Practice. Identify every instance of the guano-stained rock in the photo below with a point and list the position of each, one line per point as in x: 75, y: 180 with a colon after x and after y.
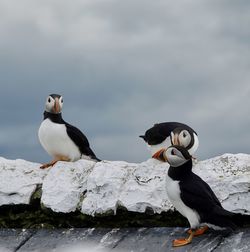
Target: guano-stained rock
x: 19, y: 180
x: 100, y: 188
x: 65, y: 183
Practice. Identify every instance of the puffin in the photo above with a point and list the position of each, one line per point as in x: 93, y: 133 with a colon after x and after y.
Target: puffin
x: 163, y: 135
x: 63, y: 141
x: 194, y: 198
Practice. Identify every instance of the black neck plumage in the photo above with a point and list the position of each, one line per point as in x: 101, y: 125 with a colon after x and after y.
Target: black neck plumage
x: 180, y: 172
x: 56, y: 118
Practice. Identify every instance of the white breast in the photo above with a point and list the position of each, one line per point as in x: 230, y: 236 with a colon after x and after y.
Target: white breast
x: 164, y: 145
x: 173, y: 191
x: 55, y: 140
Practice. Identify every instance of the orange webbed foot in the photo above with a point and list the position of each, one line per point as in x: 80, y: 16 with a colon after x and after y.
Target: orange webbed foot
x: 199, y: 231
x: 183, y: 241
x: 180, y: 242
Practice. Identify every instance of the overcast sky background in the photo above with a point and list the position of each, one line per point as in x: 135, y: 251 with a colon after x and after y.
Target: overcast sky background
x: 123, y: 66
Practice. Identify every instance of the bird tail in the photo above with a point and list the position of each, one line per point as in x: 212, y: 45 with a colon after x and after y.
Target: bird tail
x: 241, y: 220
x: 143, y: 137
x: 225, y: 218
x: 92, y: 155
x: 97, y: 159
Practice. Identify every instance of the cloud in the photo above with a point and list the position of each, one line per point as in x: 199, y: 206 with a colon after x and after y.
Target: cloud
x: 122, y: 66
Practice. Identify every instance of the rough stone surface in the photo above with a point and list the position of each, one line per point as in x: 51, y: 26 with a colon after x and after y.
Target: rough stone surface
x: 100, y: 188
x: 13, y: 239
x: 138, y: 187
x: 135, y: 187
x: 19, y: 180
x: 119, y: 240
x: 64, y: 185
x: 229, y: 177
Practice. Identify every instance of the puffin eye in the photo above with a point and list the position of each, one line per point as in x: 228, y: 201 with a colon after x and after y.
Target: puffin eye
x: 172, y: 152
x: 184, y: 134
x: 62, y: 100
x: 49, y: 100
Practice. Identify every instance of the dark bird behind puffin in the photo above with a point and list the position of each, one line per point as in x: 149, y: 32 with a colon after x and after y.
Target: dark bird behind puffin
x: 194, y: 198
x: 63, y: 141
x: 163, y: 135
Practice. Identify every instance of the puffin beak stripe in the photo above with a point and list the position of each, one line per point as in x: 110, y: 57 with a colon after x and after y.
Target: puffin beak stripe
x: 176, y: 140
x: 165, y: 156
x: 56, y: 106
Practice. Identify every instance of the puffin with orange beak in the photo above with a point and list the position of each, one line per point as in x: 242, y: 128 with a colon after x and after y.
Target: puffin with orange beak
x: 61, y: 140
x: 163, y: 135
x: 194, y: 199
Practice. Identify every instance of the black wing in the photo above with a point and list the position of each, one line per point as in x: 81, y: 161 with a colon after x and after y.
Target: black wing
x: 80, y: 140
x: 197, y: 194
x: 160, y: 131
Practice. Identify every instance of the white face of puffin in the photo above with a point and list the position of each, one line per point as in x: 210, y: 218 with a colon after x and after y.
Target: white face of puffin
x: 54, y: 104
x: 183, y: 138
x: 175, y: 157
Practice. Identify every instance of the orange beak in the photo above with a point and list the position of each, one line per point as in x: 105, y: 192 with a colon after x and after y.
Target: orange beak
x: 176, y: 140
x: 160, y: 155
x: 57, y: 106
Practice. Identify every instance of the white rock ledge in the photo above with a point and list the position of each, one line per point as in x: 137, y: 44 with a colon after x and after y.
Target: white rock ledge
x: 99, y: 188
x: 19, y: 180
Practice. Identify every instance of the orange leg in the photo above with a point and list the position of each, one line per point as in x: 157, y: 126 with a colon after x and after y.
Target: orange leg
x: 199, y: 231
x: 184, y: 241
x: 54, y: 161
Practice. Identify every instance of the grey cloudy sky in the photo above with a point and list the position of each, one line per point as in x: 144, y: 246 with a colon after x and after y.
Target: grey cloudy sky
x: 123, y: 66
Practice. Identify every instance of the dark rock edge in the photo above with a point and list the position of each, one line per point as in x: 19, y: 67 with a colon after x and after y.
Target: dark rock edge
x: 35, y: 215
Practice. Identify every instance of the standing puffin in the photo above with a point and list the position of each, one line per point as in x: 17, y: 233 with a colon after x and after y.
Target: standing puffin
x: 193, y: 197
x: 163, y: 135
x: 61, y: 140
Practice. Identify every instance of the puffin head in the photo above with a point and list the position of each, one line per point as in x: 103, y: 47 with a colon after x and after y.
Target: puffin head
x: 176, y: 155
x: 182, y: 137
x: 54, y: 104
